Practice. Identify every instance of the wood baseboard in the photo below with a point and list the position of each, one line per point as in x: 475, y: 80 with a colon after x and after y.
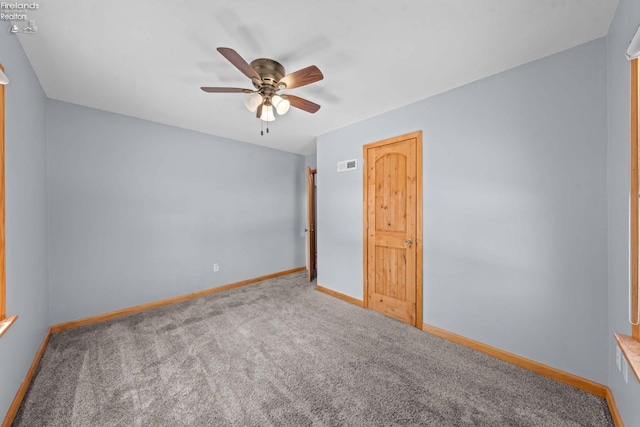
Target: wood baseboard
x: 144, y: 307
x: 556, y: 374
x: 537, y: 367
x: 338, y: 295
x: 17, y: 400
x: 613, y: 408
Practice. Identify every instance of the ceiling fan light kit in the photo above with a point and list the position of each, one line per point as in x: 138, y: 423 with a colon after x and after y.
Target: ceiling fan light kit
x: 268, y: 78
x: 252, y: 100
x: 267, y: 113
x: 280, y: 103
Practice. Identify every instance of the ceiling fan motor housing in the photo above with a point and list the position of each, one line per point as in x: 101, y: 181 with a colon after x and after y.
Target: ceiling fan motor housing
x: 270, y: 71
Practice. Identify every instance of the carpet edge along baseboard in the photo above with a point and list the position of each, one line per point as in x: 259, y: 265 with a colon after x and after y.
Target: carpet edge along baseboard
x: 17, y: 400
x: 539, y: 368
x: 587, y: 385
x: 531, y: 365
x: 161, y: 303
x: 341, y: 296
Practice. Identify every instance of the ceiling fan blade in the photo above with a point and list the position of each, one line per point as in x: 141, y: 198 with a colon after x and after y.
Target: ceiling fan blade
x: 303, y: 104
x: 303, y: 77
x: 224, y: 89
x: 238, y: 62
x: 259, y: 111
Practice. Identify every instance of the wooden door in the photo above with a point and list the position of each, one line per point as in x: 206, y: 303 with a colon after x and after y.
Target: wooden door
x: 311, y: 223
x: 393, y: 227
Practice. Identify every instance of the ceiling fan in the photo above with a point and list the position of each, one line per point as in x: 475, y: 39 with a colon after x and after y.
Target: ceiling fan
x: 268, y: 78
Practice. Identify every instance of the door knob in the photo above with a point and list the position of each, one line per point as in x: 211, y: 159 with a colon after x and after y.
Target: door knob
x: 409, y: 242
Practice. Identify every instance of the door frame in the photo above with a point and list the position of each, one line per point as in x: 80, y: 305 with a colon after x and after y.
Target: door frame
x: 311, y: 222
x: 418, y: 240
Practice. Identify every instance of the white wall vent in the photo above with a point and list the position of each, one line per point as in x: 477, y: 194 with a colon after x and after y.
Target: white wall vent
x: 347, y: 165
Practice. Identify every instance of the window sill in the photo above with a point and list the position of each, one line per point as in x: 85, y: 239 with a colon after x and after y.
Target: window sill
x: 6, y: 324
x: 631, y: 349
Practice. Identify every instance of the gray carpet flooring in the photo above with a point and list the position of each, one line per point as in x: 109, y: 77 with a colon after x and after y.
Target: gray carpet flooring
x: 279, y: 353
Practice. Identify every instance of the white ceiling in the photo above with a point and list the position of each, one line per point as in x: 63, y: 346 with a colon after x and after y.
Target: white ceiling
x: 148, y: 58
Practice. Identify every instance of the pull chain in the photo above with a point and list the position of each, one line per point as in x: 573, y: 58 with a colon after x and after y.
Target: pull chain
x: 262, y: 127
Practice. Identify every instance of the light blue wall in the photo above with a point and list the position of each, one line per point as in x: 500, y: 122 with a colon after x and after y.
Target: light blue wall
x: 311, y: 160
x: 623, y: 27
x: 514, y: 206
x: 26, y: 218
x: 516, y: 179
x: 141, y: 211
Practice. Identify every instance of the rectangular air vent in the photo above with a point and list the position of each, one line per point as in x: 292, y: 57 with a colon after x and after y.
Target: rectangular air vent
x: 347, y: 165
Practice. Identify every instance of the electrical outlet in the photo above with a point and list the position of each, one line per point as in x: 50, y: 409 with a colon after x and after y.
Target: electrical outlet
x: 618, y: 356
x: 216, y: 267
x: 625, y: 372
